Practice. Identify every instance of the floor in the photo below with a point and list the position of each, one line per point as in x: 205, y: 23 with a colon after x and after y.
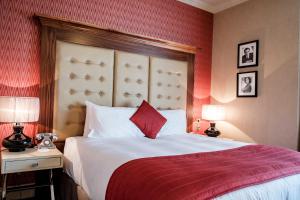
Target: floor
x: 40, y: 178
x: 32, y: 194
x: 26, y: 194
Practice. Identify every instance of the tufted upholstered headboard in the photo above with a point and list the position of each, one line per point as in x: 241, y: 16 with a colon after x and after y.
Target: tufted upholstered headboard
x: 81, y: 62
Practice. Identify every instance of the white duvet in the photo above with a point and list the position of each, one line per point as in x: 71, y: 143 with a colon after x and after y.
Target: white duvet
x: 91, y: 162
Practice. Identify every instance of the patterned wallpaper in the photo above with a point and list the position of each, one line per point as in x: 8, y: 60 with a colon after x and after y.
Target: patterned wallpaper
x: 165, y: 19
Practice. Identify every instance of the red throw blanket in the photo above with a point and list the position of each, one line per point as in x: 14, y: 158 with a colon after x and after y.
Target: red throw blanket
x: 201, y: 175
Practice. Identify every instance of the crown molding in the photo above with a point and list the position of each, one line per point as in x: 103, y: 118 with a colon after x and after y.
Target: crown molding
x: 213, y: 8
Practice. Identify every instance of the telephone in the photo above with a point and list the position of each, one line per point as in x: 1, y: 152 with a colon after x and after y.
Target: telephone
x: 47, y: 140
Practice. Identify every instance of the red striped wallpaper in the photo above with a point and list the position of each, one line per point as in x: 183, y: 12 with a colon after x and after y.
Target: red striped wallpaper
x: 165, y: 19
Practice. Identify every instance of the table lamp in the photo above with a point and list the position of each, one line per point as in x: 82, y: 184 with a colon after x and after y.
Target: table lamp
x: 17, y: 110
x: 213, y: 113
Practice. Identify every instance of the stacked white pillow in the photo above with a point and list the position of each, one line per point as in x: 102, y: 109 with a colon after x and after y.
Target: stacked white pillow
x: 114, y: 122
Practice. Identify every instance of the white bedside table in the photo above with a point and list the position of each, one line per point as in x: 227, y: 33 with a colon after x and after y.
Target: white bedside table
x: 30, y: 160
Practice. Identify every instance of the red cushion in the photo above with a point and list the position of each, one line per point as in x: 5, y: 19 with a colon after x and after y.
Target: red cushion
x: 148, y: 120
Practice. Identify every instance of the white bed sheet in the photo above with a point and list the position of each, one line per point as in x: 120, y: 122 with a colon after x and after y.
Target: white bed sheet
x: 91, y: 162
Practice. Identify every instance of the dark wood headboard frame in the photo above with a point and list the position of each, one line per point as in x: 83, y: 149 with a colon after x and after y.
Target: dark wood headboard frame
x: 53, y: 29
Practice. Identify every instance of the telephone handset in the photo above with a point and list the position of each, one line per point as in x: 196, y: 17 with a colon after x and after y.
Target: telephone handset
x: 47, y: 140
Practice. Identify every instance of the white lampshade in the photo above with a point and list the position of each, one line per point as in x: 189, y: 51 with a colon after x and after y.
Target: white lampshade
x: 213, y: 112
x: 19, y: 109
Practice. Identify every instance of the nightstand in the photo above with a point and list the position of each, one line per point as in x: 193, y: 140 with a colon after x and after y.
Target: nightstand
x: 30, y: 160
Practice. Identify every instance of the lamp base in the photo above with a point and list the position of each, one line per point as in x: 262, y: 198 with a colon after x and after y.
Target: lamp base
x: 212, y: 131
x: 17, y: 141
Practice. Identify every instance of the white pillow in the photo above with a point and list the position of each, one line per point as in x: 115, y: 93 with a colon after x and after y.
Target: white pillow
x: 176, y: 122
x: 104, y: 122
x: 87, y: 119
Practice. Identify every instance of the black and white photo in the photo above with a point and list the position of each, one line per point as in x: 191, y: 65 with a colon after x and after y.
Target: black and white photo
x: 247, y: 84
x: 248, y: 54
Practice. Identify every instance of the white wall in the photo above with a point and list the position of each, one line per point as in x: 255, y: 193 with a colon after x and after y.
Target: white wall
x: 272, y: 117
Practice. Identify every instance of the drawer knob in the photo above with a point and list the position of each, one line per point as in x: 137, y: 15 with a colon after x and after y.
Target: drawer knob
x: 35, y: 165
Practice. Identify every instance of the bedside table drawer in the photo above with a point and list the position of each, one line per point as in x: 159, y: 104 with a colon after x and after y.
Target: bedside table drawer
x: 32, y: 164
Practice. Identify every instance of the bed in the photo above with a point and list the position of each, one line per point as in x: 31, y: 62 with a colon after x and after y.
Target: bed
x: 90, y: 171
x: 82, y: 63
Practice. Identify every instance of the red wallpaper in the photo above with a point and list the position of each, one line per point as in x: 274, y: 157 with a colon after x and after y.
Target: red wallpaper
x: 165, y: 19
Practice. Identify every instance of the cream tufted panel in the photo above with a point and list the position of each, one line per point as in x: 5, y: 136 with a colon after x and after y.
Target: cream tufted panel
x: 131, y: 79
x: 168, y: 83
x: 82, y: 73
x: 112, y: 78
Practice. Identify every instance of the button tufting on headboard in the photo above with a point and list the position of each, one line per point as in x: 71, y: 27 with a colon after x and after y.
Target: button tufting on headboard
x: 73, y: 60
x: 126, y: 94
x: 127, y: 80
x: 88, y: 92
x: 174, y: 73
x: 72, y: 91
x: 72, y: 76
x: 102, y: 64
x: 101, y: 78
x: 87, y: 77
x: 139, y: 81
x: 101, y: 93
x: 80, y: 75
x: 128, y: 67
x: 88, y: 62
x: 138, y: 95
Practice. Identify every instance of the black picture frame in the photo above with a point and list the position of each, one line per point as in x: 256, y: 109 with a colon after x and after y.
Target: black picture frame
x: 244, y: 90
x: 253, y: 58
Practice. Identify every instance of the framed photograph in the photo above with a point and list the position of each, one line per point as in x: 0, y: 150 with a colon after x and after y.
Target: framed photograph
x: 247, y: 84
x: 248, y: 54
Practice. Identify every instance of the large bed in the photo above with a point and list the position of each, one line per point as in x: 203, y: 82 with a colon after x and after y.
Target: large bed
x: 82, y: 63
x: 92, y: 173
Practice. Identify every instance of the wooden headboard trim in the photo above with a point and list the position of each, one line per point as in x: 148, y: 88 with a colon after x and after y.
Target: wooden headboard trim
x: 53, y: 29
x: 64, y: 24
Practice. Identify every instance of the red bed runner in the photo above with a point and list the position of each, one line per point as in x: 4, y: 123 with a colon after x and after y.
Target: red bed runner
x: 201, y: 175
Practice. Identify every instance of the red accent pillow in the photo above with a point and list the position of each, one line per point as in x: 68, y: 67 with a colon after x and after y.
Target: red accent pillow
x: 148, y: 120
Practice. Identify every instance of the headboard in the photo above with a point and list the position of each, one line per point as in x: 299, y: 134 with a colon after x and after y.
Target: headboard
x: 81, y: 62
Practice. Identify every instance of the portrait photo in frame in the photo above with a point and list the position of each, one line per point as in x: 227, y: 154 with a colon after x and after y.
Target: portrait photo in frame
x: 248, y: 54
x: 247, y: 84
